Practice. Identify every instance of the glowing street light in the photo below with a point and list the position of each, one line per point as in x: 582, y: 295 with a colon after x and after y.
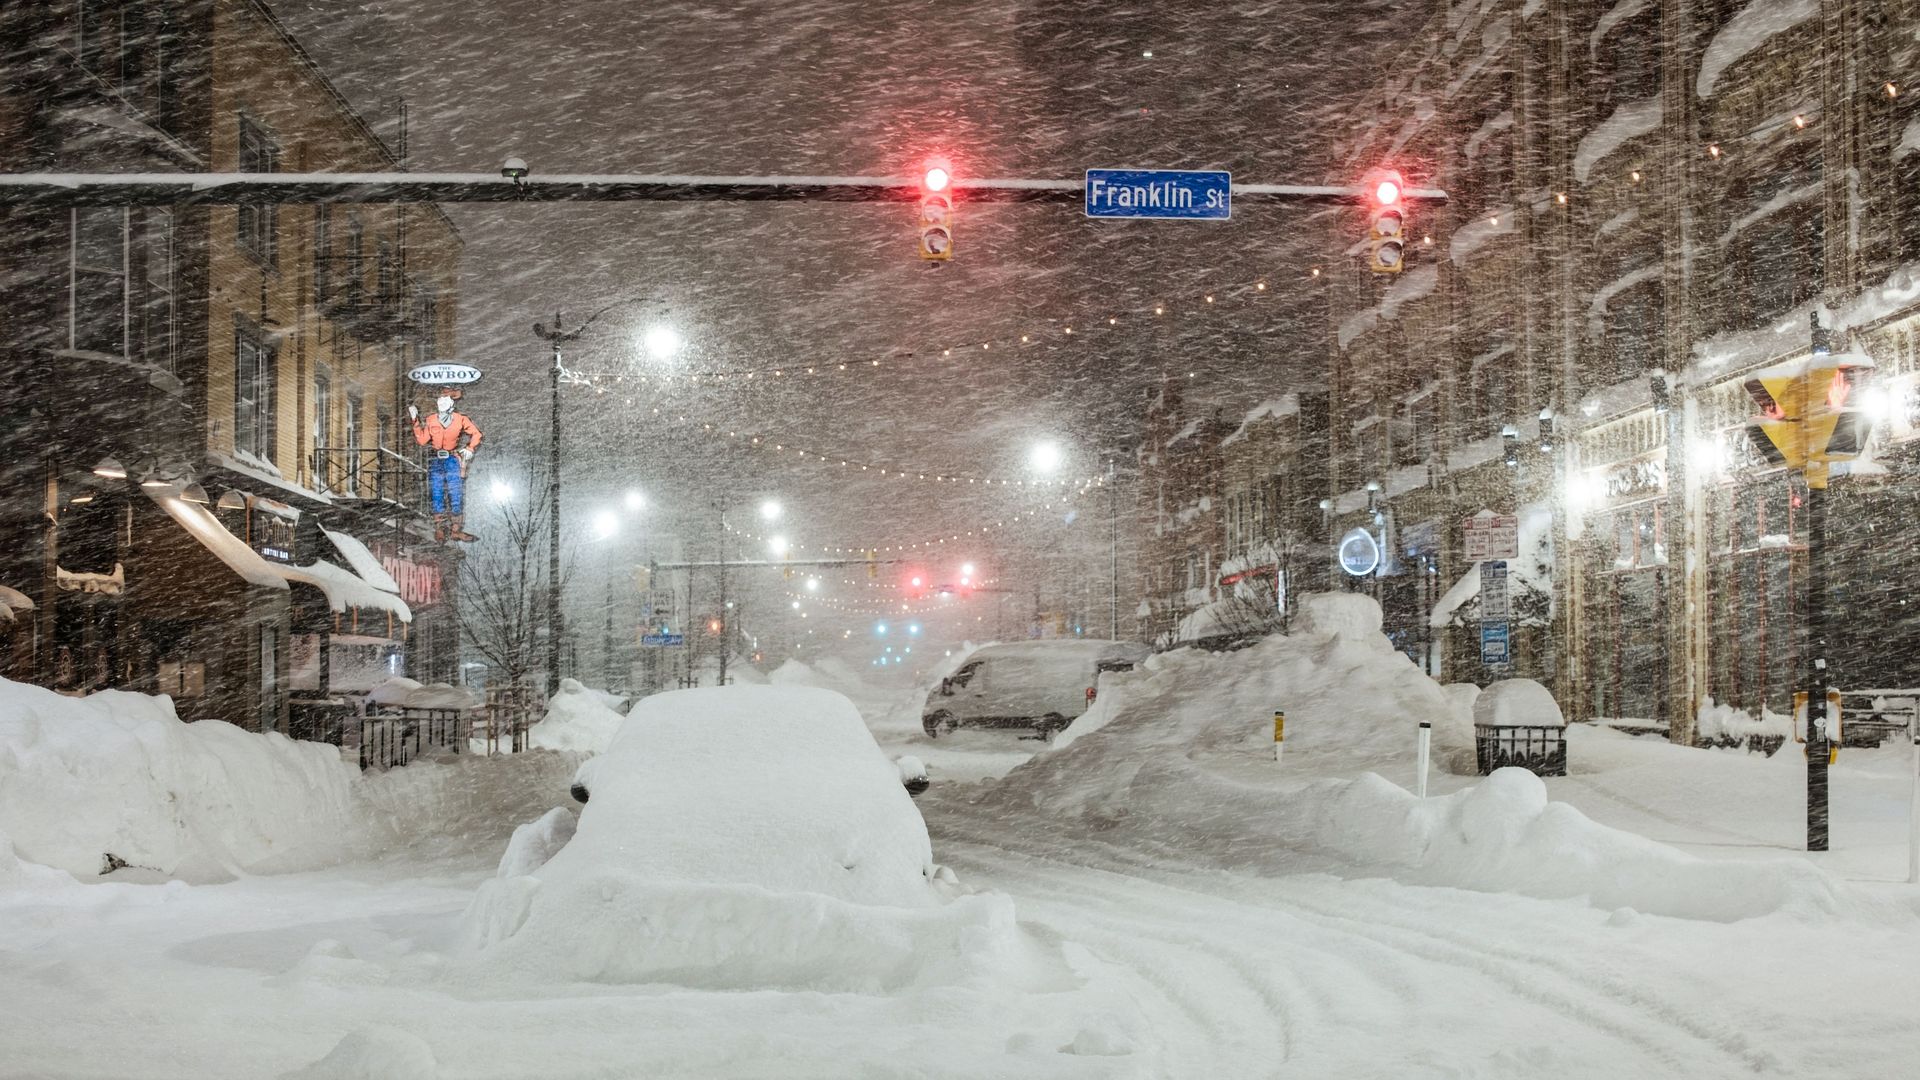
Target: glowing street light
x: 779, y: 545
x: 605, y: 525
x: 813, y: 584
x: 636, y: 502
x: 1046, y: 457
x: 661, y: 341
x: 770, y: 510
x: 501, y: 490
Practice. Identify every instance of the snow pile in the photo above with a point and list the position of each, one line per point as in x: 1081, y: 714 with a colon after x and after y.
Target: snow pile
x: 117, y: 779
x: 577, y: 719
x: 536, y: 842
x: 1503, y: 835
x: 1351, y: 701
x: 1178, y: 754
x: 1734, y: 726
x: 374, y: 1053
x: 742, y: 837
x: 405, y: 693
x: 1517, y: 703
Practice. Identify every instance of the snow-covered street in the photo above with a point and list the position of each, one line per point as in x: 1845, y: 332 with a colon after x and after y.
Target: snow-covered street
x: 1183, y: 908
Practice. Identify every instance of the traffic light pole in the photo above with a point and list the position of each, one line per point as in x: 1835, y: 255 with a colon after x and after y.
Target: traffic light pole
x: 1817, y: 675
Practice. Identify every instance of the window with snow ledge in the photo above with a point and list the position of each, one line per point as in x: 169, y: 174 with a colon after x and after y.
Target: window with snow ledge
x: 1774, y: 248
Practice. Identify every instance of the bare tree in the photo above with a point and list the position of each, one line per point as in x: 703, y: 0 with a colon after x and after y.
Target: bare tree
x: 503, y: 585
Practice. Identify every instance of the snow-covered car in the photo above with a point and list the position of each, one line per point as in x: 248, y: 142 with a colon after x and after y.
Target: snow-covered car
x: 741, y: 836
x: 1041, y: 685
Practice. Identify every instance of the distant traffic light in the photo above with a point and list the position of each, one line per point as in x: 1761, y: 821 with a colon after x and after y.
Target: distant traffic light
x: 936, y: 211
x: 1387, y: 225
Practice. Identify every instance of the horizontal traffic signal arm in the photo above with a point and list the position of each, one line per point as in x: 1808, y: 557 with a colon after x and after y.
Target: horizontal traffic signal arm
x: 171, y: 189
x: 778, y: 563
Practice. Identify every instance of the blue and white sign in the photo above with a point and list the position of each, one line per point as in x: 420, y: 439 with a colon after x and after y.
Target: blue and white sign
x: 1359, y: 553
x: 662, y: 641
x: 1159, y: 193
x: 1493, y: 644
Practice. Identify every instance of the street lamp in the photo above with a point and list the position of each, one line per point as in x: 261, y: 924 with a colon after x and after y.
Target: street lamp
x: 661, y: 341
x: 1046, y: 457
x: 770, y: 510
x: 555, y: 338
x: 636, y: 502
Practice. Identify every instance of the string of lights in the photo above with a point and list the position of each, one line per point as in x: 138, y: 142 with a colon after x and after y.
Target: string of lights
x: 777, y: 445
x: 946, y: 602
x: 980, y: 531
x: 1055, y: 331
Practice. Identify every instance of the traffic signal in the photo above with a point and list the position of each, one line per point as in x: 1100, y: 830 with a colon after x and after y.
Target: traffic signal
x: 1387, y: 224
x: 1808, y: 414
x: 936, y: 211
x: 873, y: 566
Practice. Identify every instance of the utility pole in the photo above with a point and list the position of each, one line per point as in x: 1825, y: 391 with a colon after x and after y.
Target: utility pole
x: 556, y: 337
x: 1816, y: 474
x: 1113, y: 554
x: 726, y: 621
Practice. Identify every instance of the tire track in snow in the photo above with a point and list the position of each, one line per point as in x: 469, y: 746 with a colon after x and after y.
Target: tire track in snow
x: 1622, y: 1011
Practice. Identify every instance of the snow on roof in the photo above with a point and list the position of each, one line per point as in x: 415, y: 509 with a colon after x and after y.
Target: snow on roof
x: 1413, y: 285
x: 228, y: 548
x: 1772, y: 206
x: 1497, y: 123
x: 362, y: 561
x: 1628, y: 122
x: 262, y: 471
x: 1617, y: 14
x: 14, y: 600
x: 1909, y: 139
x: 1185, y: 432
x: 1285, y: 405
x: 1450, y: 601
x: 1746, y: 31
x: 1485, y: 226
x: 1597, y: 308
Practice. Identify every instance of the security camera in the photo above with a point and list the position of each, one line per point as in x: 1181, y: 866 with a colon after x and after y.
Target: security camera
x: 513, y: 169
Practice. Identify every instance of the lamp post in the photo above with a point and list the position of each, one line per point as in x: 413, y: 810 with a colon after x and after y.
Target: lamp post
x: 555, y: 338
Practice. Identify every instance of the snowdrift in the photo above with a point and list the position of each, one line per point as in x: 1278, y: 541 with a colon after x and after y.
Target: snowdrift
x: 739, y: 837
x: 1178, y: 755
x: 577, y: 718
x: 91, y: 784
x: 118, y: 775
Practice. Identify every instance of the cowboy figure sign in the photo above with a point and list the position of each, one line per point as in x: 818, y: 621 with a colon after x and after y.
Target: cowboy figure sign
x: 447, y: 464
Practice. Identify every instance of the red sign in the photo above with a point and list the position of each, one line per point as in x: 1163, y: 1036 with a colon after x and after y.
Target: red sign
x: 419, y: 582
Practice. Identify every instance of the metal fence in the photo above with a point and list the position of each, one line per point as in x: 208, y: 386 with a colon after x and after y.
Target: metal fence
x: 1541, y: 750
x: 370, y: 472
x: 509, y: 713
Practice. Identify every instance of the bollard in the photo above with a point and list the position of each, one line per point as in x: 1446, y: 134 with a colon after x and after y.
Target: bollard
x: 1913, y: 814
x: 1426, y: 748
x: 1279, y: 733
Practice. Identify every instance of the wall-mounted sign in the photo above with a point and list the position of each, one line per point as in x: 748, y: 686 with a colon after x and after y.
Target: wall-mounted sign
x: 444, y: 374
x: 1492, y: 536
x: 1636, y: 479
x: 1359, y: 553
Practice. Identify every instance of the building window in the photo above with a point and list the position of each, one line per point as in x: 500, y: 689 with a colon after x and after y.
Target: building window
x: 428, y: 317
x: 257, y: 223
x: 383, y: 269
x: 322, y: 254
x: 98, y: 286
x: 255, y: 378
x: 351, y: 440
x: 158, y: 308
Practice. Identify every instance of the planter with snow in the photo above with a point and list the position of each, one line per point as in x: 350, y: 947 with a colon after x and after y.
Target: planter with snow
x: 1516, y: 723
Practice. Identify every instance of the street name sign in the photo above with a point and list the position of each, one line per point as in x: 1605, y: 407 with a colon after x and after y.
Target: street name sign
x: 1492, y: 536
x: 663, y: 641
x: 1159, y: 193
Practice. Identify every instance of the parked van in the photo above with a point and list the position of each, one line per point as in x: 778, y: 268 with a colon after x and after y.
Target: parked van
x: 1041, y: 685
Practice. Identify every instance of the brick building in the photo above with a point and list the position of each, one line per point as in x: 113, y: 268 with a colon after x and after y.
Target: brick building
x: 205, y: 488
x: 1648, y: 200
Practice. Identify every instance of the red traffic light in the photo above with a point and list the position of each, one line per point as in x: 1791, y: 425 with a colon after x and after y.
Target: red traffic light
x: 936, y: 179
x: 1387, y: 192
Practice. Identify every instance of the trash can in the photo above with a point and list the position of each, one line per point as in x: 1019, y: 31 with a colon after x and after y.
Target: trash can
x: 1517, y: 724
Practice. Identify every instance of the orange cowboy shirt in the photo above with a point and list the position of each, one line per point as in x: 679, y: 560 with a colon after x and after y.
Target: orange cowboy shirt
x: 446, y: 436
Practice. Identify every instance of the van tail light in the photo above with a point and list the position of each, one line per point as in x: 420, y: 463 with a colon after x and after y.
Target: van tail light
x: 1090, y: 693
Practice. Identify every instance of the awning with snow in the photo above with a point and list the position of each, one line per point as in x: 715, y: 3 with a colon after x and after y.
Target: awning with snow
x: 12, y: 600
x: 342, y: 588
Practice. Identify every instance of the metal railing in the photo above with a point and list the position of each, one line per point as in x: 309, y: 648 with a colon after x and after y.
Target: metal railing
x: 373, y: 473
x: 509, y: 714
x: 1539, y: 749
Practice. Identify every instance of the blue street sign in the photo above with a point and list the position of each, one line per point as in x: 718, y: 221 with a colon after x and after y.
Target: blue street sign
x: 662, y: 641
x: 1493, y: 644
x: 1159, y: 193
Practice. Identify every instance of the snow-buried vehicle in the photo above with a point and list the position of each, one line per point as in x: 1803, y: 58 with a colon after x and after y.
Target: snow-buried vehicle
x: 739, y: 837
